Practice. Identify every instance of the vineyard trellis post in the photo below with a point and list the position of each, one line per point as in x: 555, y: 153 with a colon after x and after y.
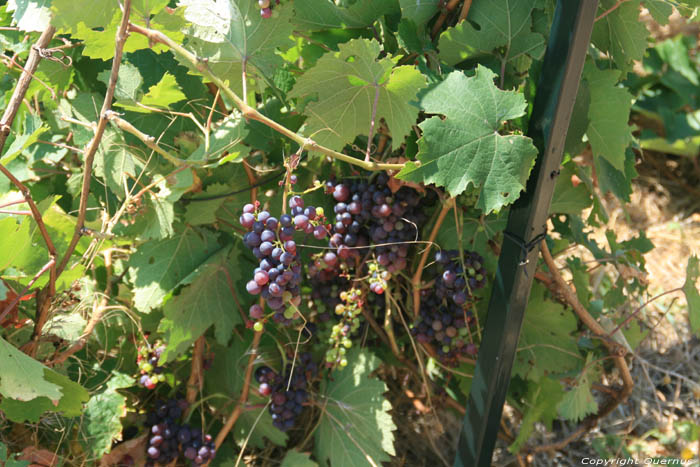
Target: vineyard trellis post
x: 554, y: 101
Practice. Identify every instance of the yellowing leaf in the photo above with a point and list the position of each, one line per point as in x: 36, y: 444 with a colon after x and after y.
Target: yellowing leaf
x: 166, y: 92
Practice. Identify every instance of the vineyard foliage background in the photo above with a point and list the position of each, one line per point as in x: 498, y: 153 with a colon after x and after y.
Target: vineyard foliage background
x: 148, y: 125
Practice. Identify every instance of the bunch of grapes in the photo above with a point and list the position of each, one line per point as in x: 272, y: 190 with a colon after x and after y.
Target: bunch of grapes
x: 369, y: 213
x: 168, y: 438
x: 265, y: 8
x: 378, y: 277
x: 147, y: 361
x: 348, y: 311
x: 444, y: 326
x: 457, y: 283
x: 278, y: 276
x: 326, y: 287
x: 287, y: 395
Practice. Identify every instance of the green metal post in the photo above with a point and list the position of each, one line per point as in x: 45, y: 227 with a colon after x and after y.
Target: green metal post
x: 554, y: 101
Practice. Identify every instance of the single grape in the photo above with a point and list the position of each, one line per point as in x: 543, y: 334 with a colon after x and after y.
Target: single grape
x: 256, y: 312
x: 266, y: 13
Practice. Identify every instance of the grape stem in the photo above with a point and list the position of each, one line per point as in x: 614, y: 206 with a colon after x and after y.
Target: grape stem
x: 250, y: 113
x: 617, y: 353
x: 417, y: 276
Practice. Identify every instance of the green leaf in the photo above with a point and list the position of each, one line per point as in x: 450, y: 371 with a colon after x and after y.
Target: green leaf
x: 116, y: 162
x: 615, y: 181
x: 68, y: 14
x: 355, y: 427
x: 227, y: 32
x: 294, y: 458
x: 692, y: 296
x: 541, y: 401
x: 620, y: 33
x: 569, y: 199
x: 67, y: 326
x: 101, y: 424
x: 32, y: 128
x: 675, y: 52
x: 419, y: 11
x: 608, y: 131
x: 659, y: 9
x: 157, y: 222
x: 163, y: 94
x: 503, y: 25
x: 30, y: 15
x: 546, y: 345
x: 225, y: 138
x: 208, y: 300
x: 129, y: 82
x: 324, y: 14
x: 466, y: 147
x: 157, y: 267
x: 3, y: 290
x: 356, y: 78
x: 204, y: 212
x: 99, y: 43
x: 579, y: 401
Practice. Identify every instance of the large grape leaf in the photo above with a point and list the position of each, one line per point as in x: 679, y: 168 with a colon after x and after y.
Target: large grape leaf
x: 542, y: 399
x: 620, y: 33
x: 30, y: 15
x: 325, y: 14
x: 608, y: 131
x: 228, y: 32
x: 546, y: 344
x: 227, y: 375
x: 294, y: 458
x: 356, y: 78
x: 29, y: 388
x: 102, y: 416
x: 208, y: 300
x: 355, y: 427
x: 579, y: 401
x: 692, y: 296
x: 569, y: 198
x: 225, y: 138
x: 419, y: 11
x: 505, y: 25
x: 466, y: 147
x: 68, y: 14
x: 157, y: 267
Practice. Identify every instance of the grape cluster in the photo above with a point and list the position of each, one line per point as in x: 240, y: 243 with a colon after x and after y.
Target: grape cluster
x: 444, y: 326
x: 287, y: 396
x: 456, y: 282
x: 147, y: 361
x: 168, y: 439
x: 326, y: 287
x: 348, y: 310
x: 278, y: 276
x: 369, y: 213
x: 265, y: 8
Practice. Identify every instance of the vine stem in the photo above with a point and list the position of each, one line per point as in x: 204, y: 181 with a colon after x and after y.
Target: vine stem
x: 221, y: 436
x: 194, y: 383
x: 626, y: 321
x: 451, y: 5
x: 465, y: 10
x: 417, y: 276
x: 97, y: 313
x: 617, y: 353
x: 610, y: 10
x: 250, y: 113
x: 91, y: 150
x: 8, y: 118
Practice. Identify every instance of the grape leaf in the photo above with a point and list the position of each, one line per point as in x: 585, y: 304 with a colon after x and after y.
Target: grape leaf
x: 99, y: 43
x: 225, y: 137
x: 206, y: 301
x: 569, y: 199
x: 227, y: 375
x: 163, y: 94
x: 228, y: 32
x: 692, y: 295
x: 506, y: 25
x: 355, y: 425
x: 355, y: 77
x: 620, y: 33
x: 419, y: 11
x: 22, y: 377
x: 294, y: 458
x: 579, y: 401
x: 157, y: 221
x: 157, y: 267
x: 608, y: 131
x: 68, y: 14
x: 30, y: 15
x: 545, y: 345
x: 102, y: 416
x: 32, y: 128
x: 204, y: 212
x: 129, y: 81
x: 466, y: 147
x: 542, y: 399
x: 325, y: 14
x: 615, y: 181
x: 659, y: 9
